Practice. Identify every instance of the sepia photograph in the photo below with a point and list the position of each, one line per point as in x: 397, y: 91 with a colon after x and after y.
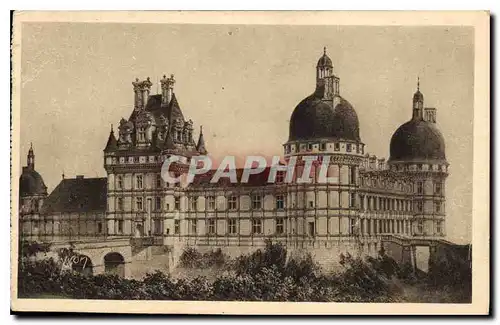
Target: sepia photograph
x: 175, y: 162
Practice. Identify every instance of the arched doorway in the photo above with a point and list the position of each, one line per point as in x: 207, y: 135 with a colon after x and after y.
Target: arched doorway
x: 114, y: 263
x: 82, y: 264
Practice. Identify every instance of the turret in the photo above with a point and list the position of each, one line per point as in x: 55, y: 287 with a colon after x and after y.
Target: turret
x: 31, y: 158
x: 418, y: 103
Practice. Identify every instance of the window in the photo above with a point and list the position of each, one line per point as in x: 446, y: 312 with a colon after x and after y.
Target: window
x: 177, y: 203
x: 232, y: 202
x: 439, y: 227
x: 337, y: 146
x: 280, y: 228
x: 99, y: 227
x: 322, y: 146
x: 157, y: 203
x: 438, y: 188
x: 311, y: 204
x: 362, y: 202
x: 352, y: 175
x: 419, y: 167
x: 256, y: 202
x: 420, y: 206
x: 120, y: 226
x: 157, y: 226
x: 138, y: 181
x: 231, y: 226
x: 420, y: 187
x: 352, y: 200
x: 352, y: 226
x: 211, y: 226
x: 211, y: 202
x: 280, y: 177
x: 193, y: 203
x: 311, y: 228
x: 119, y: 183
x: 309, y: 146
x: 177, y: 227
x: 158, y: 181
x: 348, y: 147
x: 138, y: 203
x: 280, y: 202
x: 194, y: 227
x: 437, y: 206
x: 420, y: 226
x: 142, y: 134
x: 120, y: 204
x: 256, y: 226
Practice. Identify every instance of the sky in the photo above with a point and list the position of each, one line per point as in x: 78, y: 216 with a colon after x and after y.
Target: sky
x: 242, y: 82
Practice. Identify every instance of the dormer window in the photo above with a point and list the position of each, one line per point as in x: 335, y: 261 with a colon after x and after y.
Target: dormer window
x: 322, y: 146
x: 348, y: 147
x: 337, y: 146
x: 142, y: 134
x: 309, y: 146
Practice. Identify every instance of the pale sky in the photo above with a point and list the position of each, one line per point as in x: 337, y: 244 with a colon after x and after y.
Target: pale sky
x: 242, y: 83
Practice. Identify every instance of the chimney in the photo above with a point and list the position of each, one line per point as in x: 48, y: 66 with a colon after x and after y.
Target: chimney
x: 167, y: 88
x: 146, y: 89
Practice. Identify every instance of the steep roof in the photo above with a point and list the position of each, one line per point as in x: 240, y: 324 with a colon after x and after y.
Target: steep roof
x: 112, y: 143
x: 254, y: 180
x: 77, y: 195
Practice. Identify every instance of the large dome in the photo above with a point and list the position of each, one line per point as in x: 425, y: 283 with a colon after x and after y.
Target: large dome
x: 314, y: 118
x: 31, y: 183
x: 417, y: 140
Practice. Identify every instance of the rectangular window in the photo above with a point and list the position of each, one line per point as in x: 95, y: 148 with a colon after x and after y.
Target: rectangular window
x: 231, y: 226
x: 348, y: 147
x: 439, y: 227
x: 194, y: 227
x: 256, y: 226
x: 352, y: 200
x: 211, y: 226
x: 437, y: 206
x: 312, y: 228
x: 352, y: 226
x: 322, y: 146
x: 280, y: 202
x: 420, y: 188
x: 309, y: 147
x: 119, y: 183
x: 352, y: 175
x: 157, y: 203
x: 193, y: 203
x: 232, y: 202
x: 138, y: 181
x: 157, y: 226
x: 177, y: 227
x: 420, y: 206
x: 120, y: 204
x: 280, y: 226
x: 362, y: 202
x: 120, y: 226
x: 336, y: 146
x: 138, y: 203
x: 211, y: 202
x: 136, y: 159
x: 420, y: 226
x: 99, y: 227
x: 158, y: 181
x: 437, y: 188
x: 280, y: 177
x: 142, y: 134
x: 177, y: 203
x: 256, y: 202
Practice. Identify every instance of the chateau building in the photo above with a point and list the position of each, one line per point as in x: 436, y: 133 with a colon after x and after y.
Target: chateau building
x: 363, y: 198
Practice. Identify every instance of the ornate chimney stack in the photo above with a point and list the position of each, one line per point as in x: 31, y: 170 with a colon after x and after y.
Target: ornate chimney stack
x: 146, y: 90
x: 138, y: 104
x: 167, y: 89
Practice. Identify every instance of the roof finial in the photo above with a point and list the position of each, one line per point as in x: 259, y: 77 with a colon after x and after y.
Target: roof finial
x: 418, y: 83
x: 201, y: 129
x: 324, y: 50
x: 111, y: 128
x: 63, y: 174
x: 31, y: 145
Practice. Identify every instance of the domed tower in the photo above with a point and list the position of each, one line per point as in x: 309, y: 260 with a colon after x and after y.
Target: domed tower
x: 324, y: 125
x: 32, y: 193
x: 417, y: 152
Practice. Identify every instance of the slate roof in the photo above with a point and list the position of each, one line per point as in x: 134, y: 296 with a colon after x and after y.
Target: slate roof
x: 77, y: 195
x: 254, y: 180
